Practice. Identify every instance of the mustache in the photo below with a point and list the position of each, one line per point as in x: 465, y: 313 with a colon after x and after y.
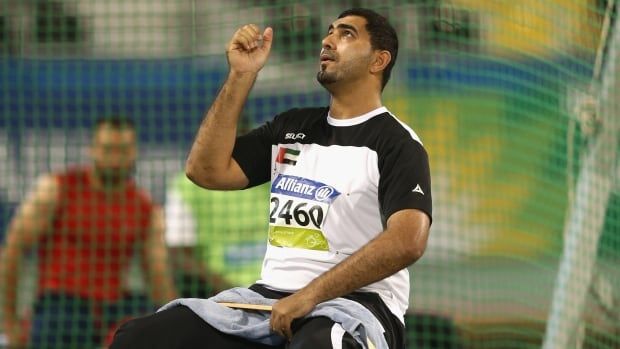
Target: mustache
x: 329, y: 54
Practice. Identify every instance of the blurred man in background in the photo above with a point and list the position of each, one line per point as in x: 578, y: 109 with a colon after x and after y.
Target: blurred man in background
x: 85, y: 224
x: 216, y: 238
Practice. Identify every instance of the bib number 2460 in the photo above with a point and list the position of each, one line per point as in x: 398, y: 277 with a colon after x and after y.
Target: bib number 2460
x: 300, y: 213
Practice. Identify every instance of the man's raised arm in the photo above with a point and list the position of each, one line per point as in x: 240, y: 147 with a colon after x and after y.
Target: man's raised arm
x: 210, y: 163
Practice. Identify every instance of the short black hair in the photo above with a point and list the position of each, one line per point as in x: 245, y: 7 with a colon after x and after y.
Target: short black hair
x: 117, y: 122
x: 382, y: 36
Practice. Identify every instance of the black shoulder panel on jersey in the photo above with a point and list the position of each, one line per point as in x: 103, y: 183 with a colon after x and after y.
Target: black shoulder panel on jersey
x: 405, y: 180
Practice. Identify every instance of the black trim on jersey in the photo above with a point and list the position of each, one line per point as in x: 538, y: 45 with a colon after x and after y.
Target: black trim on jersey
x: 402, y: 161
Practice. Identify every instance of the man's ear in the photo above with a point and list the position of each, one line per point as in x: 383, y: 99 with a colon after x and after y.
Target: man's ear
x: 381, y: 60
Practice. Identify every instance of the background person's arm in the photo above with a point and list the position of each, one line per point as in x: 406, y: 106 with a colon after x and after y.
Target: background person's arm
x: 32, y: 219
x: 155, y: 252
x: 188, y: 263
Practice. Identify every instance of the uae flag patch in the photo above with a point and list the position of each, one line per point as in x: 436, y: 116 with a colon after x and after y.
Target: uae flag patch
x: 287, y: 156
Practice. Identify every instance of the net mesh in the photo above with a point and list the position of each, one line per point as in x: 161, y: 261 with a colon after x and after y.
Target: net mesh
x: 505, y: 96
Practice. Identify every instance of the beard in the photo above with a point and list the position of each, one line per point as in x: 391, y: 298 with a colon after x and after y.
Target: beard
x: 326, y: 78
x: 345, y: 70
x: 111, y: 177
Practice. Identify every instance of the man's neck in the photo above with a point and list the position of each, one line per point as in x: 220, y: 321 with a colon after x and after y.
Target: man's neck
x: 97, y: 184
x: 353, y: 102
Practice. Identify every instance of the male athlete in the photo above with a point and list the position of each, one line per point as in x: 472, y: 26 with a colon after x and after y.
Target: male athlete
x: 350, y: 193
x: 85, y: 224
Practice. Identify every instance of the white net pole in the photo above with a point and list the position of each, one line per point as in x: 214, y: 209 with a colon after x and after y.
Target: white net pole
x: 587, y: 212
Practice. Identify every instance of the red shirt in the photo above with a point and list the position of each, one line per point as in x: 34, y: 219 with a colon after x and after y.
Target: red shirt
x: 93, y: 237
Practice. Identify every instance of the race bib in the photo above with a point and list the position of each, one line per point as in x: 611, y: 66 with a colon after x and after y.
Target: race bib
x: 298, y: 210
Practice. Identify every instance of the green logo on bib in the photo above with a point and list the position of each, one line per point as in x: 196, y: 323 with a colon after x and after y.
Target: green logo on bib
x: 309, y: 239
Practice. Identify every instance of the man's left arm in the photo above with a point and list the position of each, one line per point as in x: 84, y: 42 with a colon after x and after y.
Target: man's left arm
x: 401, y: 244
x: 155, y: 258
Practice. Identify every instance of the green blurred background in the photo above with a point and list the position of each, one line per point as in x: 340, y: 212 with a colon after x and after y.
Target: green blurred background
x: 489, y: 85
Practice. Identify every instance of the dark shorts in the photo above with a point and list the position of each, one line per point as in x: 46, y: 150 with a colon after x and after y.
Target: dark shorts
x: 179, y: 327
x: 61, y: 321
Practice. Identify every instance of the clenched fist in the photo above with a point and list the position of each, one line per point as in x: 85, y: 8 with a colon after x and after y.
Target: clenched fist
x: 248, y: 49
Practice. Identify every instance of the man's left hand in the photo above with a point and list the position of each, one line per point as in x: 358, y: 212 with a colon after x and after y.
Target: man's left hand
x: 288, y: 309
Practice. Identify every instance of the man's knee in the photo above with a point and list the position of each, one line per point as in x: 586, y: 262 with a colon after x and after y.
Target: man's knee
x: 173, y: 328
x: 126, y: 334
x: 153, y: 330
x: 322, y: 333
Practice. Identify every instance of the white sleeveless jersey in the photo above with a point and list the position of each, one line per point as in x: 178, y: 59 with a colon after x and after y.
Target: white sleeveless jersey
x: 334, y: 184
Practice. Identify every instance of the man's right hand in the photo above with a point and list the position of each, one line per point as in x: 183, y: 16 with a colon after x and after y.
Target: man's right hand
x: 245, y: 52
